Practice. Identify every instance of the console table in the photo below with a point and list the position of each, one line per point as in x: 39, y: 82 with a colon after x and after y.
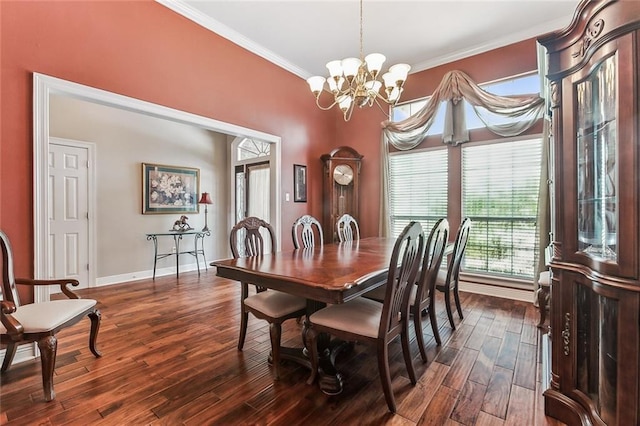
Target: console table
x: 177, y: 237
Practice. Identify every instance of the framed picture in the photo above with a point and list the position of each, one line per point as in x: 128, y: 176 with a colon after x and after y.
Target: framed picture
x: 299, y: 183
x: 169, y: 189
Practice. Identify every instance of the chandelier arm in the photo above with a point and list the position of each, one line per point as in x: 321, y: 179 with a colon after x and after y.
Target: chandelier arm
x: 325, y: 108
x: 385, y: 100
x: 387, y: 112
x: 347, y: 114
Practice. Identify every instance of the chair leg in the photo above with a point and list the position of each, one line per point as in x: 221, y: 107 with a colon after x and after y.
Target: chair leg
x: 9, y: 353
x: 417, y: 325
x: 434, y: 324
x: 275, y: 332
x: 406, y: 352
x: 244, y: 319
x: 447, y: 303
x: 456, y: 297
x: 95, y: 318
x: 48, y: 348
x: 385, y: 376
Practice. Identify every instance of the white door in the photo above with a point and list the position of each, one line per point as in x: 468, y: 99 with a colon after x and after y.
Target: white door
x: 68, y: 211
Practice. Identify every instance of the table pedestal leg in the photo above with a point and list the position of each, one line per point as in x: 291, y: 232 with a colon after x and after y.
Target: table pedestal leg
x: 329, y: 379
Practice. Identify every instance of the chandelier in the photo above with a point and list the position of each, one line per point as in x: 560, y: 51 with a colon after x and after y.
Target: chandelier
x: 354, y: 81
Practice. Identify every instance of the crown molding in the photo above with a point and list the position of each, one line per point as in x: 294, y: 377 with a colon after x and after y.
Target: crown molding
x: 206, y: 21
x: 495, y: 44
x: 182, y: 8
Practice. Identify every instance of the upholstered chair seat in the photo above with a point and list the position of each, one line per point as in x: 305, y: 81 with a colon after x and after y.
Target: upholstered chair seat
x: 47, y: 316
x: 275, y: 303
x: 360, y: 316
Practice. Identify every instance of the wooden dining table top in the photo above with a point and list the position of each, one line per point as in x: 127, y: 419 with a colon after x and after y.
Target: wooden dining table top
x: 332, y: 273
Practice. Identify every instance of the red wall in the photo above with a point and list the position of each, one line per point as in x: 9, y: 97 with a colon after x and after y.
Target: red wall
x: 143, y: 50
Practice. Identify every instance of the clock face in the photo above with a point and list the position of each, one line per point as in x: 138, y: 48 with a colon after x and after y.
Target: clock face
x: 343, y: 174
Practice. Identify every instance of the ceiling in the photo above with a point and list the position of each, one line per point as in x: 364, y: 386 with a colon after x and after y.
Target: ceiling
x: 302, y: 36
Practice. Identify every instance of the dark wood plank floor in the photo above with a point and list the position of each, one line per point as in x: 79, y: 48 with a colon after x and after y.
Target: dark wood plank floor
x: 170, y: 358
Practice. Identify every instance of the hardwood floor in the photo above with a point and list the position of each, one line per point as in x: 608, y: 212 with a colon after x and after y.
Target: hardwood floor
x: 170, y: 358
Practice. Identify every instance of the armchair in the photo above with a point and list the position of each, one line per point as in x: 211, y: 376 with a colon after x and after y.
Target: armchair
x: 39, y: 322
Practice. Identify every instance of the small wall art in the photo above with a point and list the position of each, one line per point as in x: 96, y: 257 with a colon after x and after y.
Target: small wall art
x: 299, y: 183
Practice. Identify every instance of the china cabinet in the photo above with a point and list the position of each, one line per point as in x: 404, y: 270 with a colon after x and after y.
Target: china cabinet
x: 341, y: 184
x: 594, y: 338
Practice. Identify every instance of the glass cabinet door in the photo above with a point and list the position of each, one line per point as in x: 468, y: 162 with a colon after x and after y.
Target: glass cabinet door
x: 597, y: 350
x: 597, y: 149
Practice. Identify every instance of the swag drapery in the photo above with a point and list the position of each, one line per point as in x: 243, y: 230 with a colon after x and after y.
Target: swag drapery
x: 524, y: 110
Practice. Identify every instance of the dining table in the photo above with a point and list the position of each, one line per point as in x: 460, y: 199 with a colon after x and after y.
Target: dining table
x: 327, y: 274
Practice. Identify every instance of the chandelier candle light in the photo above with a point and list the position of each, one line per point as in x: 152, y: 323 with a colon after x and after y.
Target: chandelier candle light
x: 206, y: 200
x: 354, y: 81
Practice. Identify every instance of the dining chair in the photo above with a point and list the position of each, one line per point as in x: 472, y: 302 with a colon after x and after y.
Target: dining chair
x: 374, y: 323
x: 248, y: 239
x: 447, y: 281
x: 304, y: 232
x: 422, y: 295
x: 40, y: 322
x: 347, y: 228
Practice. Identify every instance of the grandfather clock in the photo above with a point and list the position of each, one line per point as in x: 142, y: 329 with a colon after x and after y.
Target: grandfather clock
x: 341, y: 177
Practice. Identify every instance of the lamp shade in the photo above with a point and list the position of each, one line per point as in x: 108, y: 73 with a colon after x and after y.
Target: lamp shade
x: 205, y: 199
x: 316, y: 83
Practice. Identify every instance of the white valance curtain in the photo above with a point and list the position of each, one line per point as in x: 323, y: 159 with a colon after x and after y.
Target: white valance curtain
x: 455, y: 86
x: 523, y: 110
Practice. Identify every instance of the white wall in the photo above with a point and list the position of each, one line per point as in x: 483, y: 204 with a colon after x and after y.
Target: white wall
x: 124, y: 140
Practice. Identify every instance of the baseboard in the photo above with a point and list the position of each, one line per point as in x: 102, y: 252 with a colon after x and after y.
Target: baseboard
x: 148, y: 274
x: 497, y: 291
x: 24, y: 353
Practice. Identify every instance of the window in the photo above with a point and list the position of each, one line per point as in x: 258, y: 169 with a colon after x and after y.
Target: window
x: 418, y: 182
x: 500, y: 184
x: 251, y: 148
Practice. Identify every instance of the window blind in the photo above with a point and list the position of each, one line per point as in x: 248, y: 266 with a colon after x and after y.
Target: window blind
x: 417, y: 188
x: 500, y: 185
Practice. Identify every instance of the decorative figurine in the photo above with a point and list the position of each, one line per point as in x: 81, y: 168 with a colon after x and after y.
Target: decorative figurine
x: 181, y: 224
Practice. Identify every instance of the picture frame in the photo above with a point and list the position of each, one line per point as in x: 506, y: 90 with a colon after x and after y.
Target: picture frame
x: 299, y: 183
x: 169, y: 189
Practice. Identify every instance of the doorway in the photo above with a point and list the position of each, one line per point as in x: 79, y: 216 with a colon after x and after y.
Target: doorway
x: 71, y: 211
x: 45, y: 86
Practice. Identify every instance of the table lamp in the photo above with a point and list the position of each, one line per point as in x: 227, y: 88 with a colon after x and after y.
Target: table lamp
x: 205, y: 199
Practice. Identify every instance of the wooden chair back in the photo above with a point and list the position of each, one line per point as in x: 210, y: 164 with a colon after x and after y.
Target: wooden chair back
x: 303, y: 232
x: 432, y: 259
x: 8, y: 290
x: 347, y: 228
x: 421, y: 296
x: 403, y: 269
x: 247, y: 238
x: 459, y: 247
